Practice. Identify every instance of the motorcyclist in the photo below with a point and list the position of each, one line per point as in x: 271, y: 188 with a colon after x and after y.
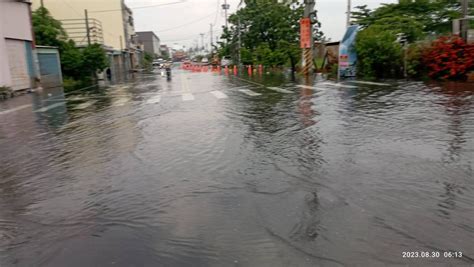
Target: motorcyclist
x: 168, y: 70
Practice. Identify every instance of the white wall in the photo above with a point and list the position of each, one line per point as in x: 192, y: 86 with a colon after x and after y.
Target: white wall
x: 15, y: 18
x: 14, y: 24
x: 112, y: 21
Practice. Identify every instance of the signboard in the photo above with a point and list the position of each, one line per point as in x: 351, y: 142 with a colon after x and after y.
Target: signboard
x: 347, y: 54
x: 305, y: 33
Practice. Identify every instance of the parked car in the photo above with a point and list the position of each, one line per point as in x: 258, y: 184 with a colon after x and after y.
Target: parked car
x: 205, y: 60
x: 226, y: 61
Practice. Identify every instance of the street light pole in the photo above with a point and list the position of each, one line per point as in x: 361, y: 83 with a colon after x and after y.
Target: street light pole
x: 225, y: 6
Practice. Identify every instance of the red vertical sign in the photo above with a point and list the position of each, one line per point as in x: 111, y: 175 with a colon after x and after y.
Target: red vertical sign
x: 305, y: 33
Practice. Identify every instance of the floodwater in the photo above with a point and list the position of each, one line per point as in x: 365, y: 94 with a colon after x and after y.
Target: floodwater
x: 209, y: 170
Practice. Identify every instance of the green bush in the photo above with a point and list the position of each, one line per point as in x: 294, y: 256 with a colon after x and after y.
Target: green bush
x: 415, y: 66
x: 147, y: 63
x: 379, y: 54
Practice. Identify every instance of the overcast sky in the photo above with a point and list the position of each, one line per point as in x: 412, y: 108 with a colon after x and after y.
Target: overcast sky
x: 180, y: 24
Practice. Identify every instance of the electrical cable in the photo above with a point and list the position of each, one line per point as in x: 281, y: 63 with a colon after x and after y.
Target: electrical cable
x: 139, y: 7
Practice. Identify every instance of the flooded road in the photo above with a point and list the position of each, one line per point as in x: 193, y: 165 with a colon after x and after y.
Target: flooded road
x: 208, y: 170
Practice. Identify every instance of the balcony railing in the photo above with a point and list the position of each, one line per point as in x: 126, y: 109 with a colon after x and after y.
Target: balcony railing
x: 76, y: 30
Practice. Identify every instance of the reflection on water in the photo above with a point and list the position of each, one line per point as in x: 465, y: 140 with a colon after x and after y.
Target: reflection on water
x: 323, y: 176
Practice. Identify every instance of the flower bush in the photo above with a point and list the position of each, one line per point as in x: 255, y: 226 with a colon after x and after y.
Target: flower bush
x: 449, y: 58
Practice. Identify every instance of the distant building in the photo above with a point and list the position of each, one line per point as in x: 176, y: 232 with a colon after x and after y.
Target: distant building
x: 165, y: 51
x: 150, y: 41
x: 17, y: 65
x: 111, y: 24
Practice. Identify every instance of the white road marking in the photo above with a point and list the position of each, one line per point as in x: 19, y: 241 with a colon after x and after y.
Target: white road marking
x: 8, y: 111
x: 338, y: 85
x: 219, y: 94
x: 370, y: 83
x: 85, y: 105
x: 154, y: 100
x: 345, y: 86
x: 51, y: 107
x: 249, y: 92
x: 76, y: 98
x: 305, y: 86
x: 120, y: 102
x: 280, y: 90
x: 188, y: 97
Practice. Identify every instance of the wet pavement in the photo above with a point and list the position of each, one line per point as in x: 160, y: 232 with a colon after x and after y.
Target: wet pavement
x: 209, y: 170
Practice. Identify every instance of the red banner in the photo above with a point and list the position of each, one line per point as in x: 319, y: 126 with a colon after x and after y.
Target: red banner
x: 305, y: 33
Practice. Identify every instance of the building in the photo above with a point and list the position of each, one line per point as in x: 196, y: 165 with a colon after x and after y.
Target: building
x: 165, y: 51
x: 18, y: 68
x: 151, y: 42
x: 109, y: 23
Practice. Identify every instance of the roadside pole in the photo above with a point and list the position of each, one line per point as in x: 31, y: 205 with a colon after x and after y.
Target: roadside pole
x: 88, y: 31
x: 306, y: 38
x: 210, y: 48
x: 225, y: 6
x: 240, y: 45
x: 464, y: 22
x: 348, y: 19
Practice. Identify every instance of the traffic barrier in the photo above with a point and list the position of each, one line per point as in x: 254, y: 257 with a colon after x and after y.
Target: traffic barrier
x: 249, y: 70
x: 235, y: 70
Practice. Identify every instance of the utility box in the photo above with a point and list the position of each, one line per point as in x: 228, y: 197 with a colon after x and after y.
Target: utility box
x: 49, y: 66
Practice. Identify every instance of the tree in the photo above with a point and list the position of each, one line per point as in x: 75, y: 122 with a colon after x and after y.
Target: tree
x: 48, y: 31
x: 94, y: 58
x: 76, y: 63
x: 379, y: 54
x: 413, y: 18
x: 269, y: 30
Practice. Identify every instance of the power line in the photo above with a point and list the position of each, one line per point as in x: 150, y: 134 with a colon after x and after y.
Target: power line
x: 186, y: 24
x: 217, y: 12
x: 71, y: 7
x: 140, y: 7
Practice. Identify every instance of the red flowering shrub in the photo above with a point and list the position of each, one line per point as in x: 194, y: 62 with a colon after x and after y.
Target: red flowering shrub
x: 449, y: 58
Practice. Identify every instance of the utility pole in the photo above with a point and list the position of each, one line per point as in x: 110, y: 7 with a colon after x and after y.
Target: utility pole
x: 464, y: 21
x: 225, y: 6
x: 87, y: 27
x: 211, y: 40
x: 240, y: 38
x: 42, y: 3
x: 240, y: 44
x: 202, y: 40
x: 348, y: 21
x: 307, y: 61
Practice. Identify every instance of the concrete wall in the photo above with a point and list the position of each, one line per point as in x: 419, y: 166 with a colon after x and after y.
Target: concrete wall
x: 150, y: 42
x: 112, y: 19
